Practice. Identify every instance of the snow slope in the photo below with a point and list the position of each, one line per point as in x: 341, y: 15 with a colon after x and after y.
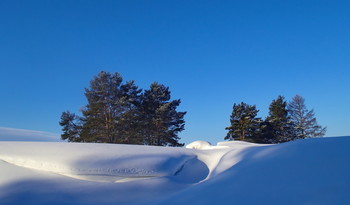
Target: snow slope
x: 313, y: 171
x: 13, y: 134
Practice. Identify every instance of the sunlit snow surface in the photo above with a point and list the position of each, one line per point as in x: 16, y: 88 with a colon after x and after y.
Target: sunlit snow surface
x: 313, y: 171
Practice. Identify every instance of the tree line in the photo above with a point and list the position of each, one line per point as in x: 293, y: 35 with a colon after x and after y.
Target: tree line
x: 285, y: 122
x: 120, y: 112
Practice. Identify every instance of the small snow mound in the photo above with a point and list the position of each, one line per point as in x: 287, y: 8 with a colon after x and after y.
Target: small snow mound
x: 199, y: 145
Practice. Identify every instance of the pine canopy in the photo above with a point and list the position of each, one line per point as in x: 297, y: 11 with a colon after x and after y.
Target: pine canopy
x: 120, y: 112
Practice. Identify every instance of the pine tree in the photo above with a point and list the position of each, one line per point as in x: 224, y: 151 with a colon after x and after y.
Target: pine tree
x: 244, y: 123
x: 106, y: 117
x: 118, y: 112
x: 278, y: 124
x: 129, y: 120
x: 71, y: 124
x: 104, y: 108
x: 161, y: 121
x: 305, y: 123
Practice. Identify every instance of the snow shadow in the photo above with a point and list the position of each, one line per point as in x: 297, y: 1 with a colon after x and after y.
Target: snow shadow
x: 179, y: 168
x: 35, y: 192
x: 67, y: 191
x: 192, y: 171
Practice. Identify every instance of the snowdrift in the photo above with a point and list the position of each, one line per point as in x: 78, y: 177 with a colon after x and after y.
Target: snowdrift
x: 99, y: 162
x: 313, y: 171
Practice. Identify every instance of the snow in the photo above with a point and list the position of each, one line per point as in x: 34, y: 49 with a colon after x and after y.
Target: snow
x: 199, y: 145
x: 13, y: 134
x: 312, y: 171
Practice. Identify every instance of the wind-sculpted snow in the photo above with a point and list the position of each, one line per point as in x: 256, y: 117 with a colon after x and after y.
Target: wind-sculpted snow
x: 313, y: 171
x: 97, y: 162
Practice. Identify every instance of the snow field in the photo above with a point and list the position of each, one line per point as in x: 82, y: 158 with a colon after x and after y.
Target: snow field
x: 96, y: 162
x: 312, y: 171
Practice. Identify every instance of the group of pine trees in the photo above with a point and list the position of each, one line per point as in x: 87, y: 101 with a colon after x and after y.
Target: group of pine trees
x: 122, y: 113
x: 285, y: 122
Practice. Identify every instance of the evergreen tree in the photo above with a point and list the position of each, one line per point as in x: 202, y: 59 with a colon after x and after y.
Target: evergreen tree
x: 71, y: 124
x: 278, y: 124
x: 107, y: 116
x: 266, y: 135
x: 161, y: 122
x: 305, y: 123
x: 102, y: 113
x: 129, y: 121
x: 119, y: 113
x: 244, y: 123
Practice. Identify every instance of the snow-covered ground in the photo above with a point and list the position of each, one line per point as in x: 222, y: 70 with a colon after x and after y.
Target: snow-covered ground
x: 13, y: 134
x: 312, y: 171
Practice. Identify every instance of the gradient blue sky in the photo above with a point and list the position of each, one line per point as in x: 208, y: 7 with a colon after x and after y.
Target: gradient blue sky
x: 210, y: 53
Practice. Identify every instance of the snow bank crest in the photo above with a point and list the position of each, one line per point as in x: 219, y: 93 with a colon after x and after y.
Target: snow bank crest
x: 199, y: 145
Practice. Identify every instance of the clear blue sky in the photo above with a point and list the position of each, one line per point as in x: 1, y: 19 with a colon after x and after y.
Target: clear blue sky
x: 210, y: 53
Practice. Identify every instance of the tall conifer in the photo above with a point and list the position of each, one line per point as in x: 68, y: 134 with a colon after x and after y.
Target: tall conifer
x: 305, y: 123
x: 161, y: 121
x: 279, y: 128
x: 244, y: 123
